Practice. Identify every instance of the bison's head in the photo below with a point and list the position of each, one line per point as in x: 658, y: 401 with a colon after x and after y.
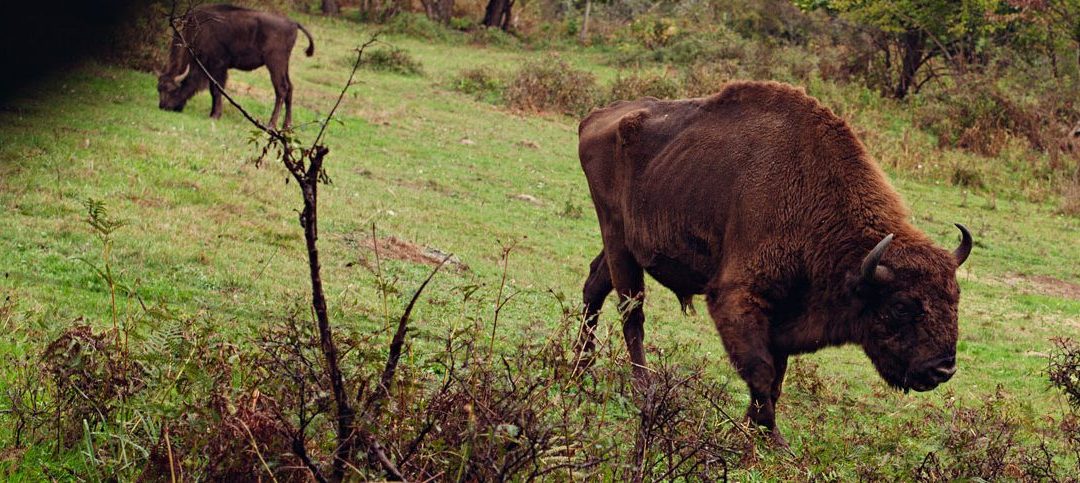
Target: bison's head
x: 174, y: 90
x: 908, y: 311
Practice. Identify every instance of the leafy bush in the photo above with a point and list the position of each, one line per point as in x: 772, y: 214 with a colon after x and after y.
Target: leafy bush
x: 491, y: 36
x: 462, y: 23
x: 483, y: 82
x: 975, y: 115
x: 717, y: 44
x: 393, y: 60
x: 707, y: 78
x: 142, y: 43
x: 643, y: 84
x: 418, y: 26
x: 553, y: 85
x: 967, y: 177
x: 653, y: 32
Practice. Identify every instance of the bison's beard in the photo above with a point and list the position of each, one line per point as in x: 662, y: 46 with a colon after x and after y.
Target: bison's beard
x: 892, y: 369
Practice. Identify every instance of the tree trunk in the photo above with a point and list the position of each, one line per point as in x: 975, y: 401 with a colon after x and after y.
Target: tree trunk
x: 497, y: 14
x: 583, y: 35
x: 330, y: 7
x: 913, y: 48
x: 438, y: 10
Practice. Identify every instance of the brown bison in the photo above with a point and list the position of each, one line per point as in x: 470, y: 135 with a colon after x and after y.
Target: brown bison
x: 226, y: 37
x: 763, y: 200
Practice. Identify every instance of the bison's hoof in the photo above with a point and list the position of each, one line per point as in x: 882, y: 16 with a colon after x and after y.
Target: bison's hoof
x: 777, y: 440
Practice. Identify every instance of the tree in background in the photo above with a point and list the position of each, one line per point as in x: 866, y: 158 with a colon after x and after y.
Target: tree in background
x: 438, y: 10
x: 1049, y: 27
x: 498, y: 14
x: 911, y: 35
x: 381, y: 10
x: 330, y: 7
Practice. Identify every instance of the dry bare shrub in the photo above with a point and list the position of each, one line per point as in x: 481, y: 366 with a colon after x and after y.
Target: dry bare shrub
x: 1070, y: 201
x: 967, y: 177
x: 1064, y: 369
x: 486, y: 409
x: 643, y: 84
x: 226, y: 432
x: 705, y: 79
x: 685, y: 434
x: 985, y: 442
x: 90, y: 375
x: 552, y: 85
x: 227, y: 439
x: 803, y: 374
x: 142, y: 41
x: 977, y: 116
x: 979, y: 442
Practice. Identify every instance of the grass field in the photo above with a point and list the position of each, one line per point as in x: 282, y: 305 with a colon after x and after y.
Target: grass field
x: 211, y: 235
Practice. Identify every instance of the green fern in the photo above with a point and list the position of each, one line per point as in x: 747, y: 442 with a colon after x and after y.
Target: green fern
x: 98, y: 218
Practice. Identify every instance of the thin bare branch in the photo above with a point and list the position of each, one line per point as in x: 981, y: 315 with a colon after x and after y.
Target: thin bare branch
x: 356, y: 65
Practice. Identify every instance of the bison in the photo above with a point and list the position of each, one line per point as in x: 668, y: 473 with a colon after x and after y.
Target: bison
x: 764, y: 201
x: 227, y: 37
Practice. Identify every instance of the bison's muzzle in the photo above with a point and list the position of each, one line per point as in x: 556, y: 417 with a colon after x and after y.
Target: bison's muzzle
x: 931, y: 374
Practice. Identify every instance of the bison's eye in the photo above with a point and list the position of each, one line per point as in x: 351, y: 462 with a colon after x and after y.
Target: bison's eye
x: 908, y: 311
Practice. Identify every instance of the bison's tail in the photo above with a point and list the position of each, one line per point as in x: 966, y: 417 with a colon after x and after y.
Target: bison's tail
x: 310, y: 41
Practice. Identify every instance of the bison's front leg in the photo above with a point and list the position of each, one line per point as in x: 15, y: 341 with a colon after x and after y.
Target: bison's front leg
x: 215, y: 94
x: 740, y: 318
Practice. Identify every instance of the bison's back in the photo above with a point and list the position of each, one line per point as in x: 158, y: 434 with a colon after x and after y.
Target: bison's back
x: 752, y: 168
x: 240, y: 37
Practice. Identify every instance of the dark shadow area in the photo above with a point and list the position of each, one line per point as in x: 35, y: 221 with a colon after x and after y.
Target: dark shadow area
x: 39, y: 37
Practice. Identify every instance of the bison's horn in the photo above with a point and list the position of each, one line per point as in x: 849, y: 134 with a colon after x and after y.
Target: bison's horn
x: 182, y: 75
x: 870, y: 263
x: 964, y: 249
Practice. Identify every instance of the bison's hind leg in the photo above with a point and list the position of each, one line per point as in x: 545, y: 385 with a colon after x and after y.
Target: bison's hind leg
x: 628, y: 279
x: 279, y: 76
x: 596, y: 289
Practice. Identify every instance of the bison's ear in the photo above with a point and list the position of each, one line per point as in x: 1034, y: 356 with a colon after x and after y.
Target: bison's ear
x: 630, y: 126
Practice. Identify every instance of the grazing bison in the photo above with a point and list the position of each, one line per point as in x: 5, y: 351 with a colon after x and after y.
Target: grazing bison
x: 763, y: 200
x: 226, y: 37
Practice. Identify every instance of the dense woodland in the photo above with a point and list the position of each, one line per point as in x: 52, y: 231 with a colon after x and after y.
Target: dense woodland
x: 165, y: 326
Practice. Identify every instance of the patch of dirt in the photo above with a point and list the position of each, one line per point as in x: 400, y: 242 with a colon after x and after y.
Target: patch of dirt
x: 428, y: 185
x: 526, y: 198
x: 1053, y: 286
x: 1043, y: 285
x: 147, y: 201
x: 404, y: 250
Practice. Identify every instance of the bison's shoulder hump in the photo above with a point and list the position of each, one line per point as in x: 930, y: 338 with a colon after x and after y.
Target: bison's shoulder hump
x: 772, y: 95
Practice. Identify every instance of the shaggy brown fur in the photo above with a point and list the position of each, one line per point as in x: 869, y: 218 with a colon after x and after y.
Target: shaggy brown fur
x: 763, y: 200
x: 226, y: 37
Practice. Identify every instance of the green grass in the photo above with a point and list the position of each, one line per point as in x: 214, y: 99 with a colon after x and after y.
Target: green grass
x: 210, y: 233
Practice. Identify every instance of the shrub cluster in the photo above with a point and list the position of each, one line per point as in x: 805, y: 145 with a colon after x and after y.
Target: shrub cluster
x: 643, y: 84
x: 394, y: 60
x: 483, y: 82
x: 551, y: 85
